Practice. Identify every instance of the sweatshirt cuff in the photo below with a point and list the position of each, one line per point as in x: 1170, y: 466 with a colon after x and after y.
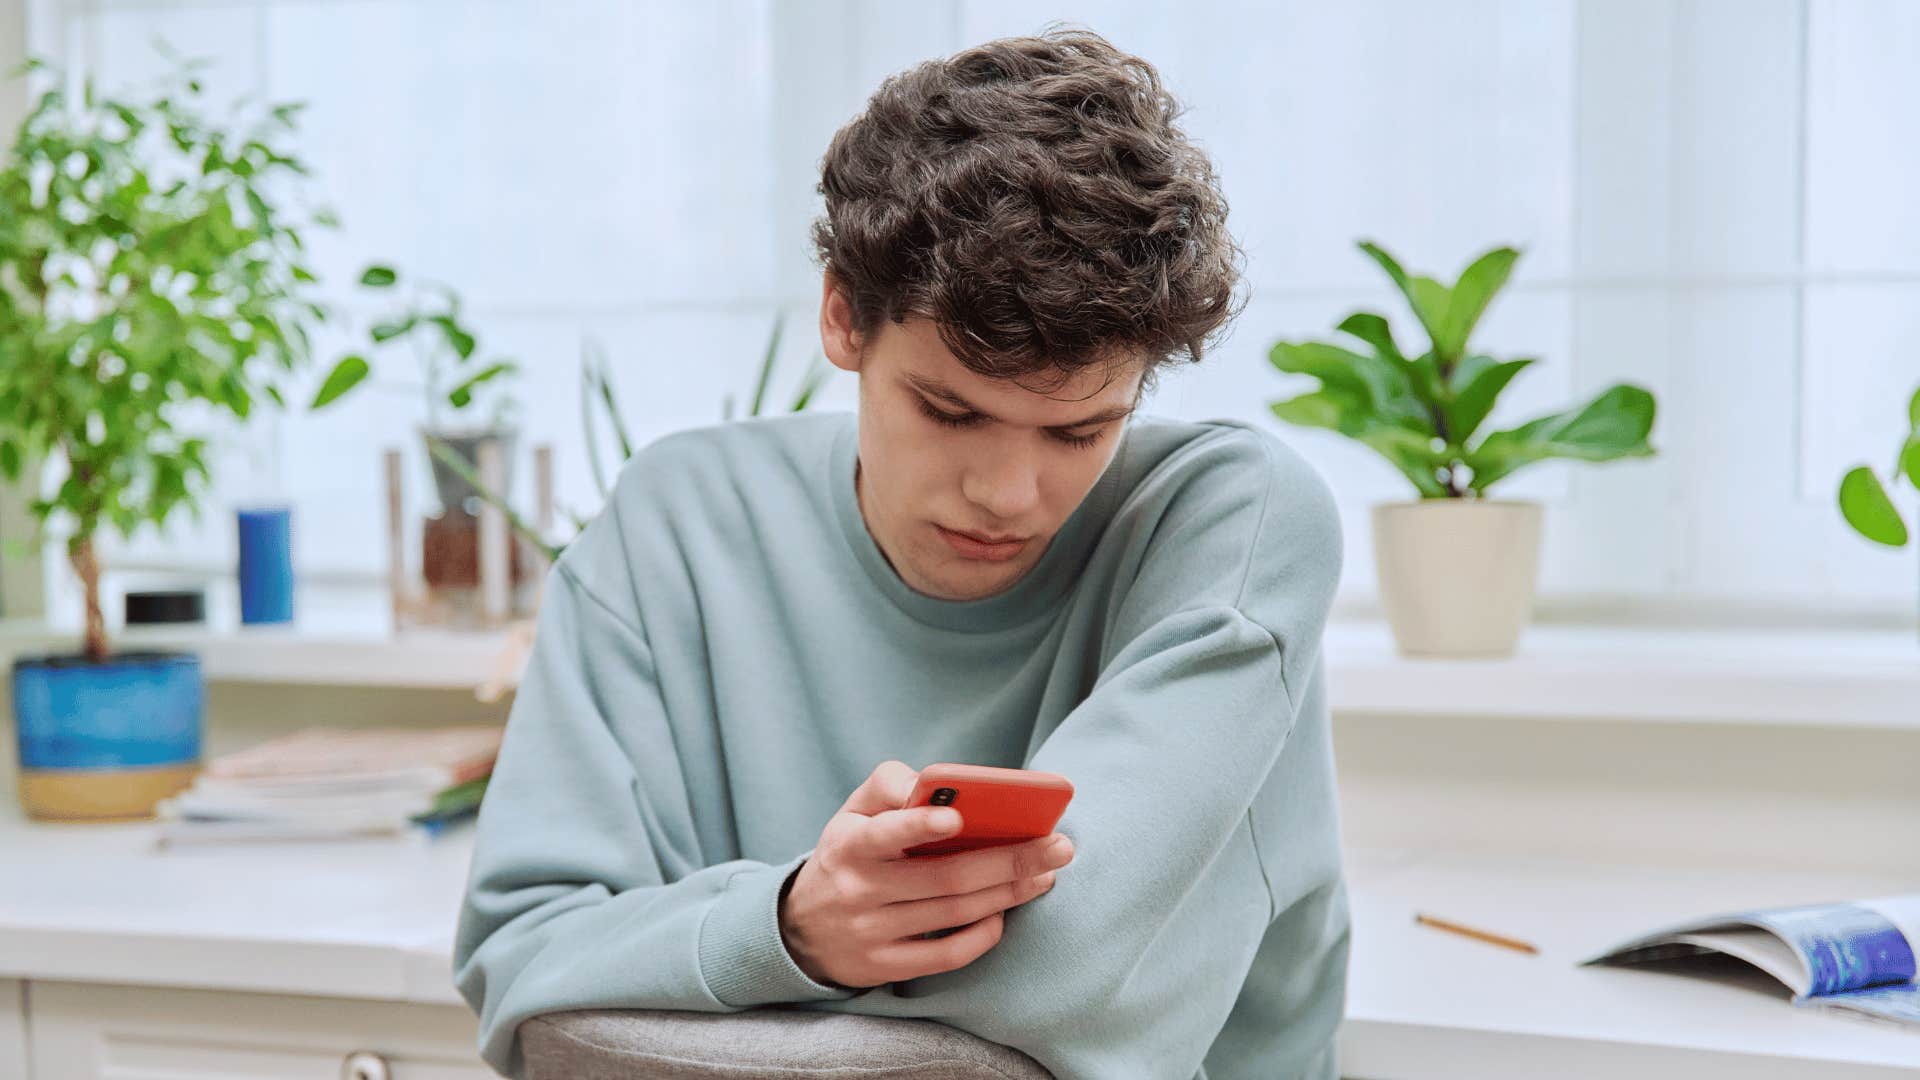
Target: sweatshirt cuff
x: 742, y: 955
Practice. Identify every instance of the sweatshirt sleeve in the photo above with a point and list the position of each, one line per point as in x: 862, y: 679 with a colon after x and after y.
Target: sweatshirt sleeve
x: 1132, y: 963
x: 580, y: 893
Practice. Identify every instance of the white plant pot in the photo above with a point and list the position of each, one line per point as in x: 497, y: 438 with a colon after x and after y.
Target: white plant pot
x: 1457, y: 575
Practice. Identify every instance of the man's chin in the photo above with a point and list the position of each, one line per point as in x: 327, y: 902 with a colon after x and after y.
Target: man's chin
x: 962, y: 580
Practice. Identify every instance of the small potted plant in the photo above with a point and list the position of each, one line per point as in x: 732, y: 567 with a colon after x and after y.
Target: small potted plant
x: 150, y: 283
x: 446, y: 348
x: 1457, y: 568
x: 1865, y: 502
x: 429, y: 318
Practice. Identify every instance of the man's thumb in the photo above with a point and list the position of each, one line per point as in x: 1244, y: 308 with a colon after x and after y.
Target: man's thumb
x: 887, y: 787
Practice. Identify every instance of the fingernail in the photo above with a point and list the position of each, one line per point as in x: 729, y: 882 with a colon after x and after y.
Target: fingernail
x: 1060, y: 849
x: 1045, y: 881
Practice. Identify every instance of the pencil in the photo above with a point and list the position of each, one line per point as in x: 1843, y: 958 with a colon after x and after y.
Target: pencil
x: 1478, y: 935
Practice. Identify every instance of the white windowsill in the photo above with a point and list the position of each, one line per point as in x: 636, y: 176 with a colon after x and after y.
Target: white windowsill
x: 1822, y: 677
x: 340, y: 636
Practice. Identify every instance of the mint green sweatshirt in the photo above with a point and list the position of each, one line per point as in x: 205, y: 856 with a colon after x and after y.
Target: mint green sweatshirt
x: 724, y: 654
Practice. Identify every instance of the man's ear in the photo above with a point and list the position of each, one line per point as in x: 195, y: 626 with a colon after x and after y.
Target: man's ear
x: 837, y: 335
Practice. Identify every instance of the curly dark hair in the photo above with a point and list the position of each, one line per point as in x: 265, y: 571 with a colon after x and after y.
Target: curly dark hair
x: 1033, y: 197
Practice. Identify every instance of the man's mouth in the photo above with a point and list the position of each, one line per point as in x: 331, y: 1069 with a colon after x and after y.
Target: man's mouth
x: 984, y: 546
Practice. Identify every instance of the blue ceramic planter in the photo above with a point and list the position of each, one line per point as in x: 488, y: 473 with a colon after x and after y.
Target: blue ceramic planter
x: 106, y: 739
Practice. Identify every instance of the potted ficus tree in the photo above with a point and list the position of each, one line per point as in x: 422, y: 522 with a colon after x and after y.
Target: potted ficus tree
x: 1865, y: 502
x: 1457, y: 568
x: 151, y: 284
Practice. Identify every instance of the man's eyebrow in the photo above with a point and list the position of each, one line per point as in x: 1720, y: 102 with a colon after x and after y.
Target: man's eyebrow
x: 937, y: 389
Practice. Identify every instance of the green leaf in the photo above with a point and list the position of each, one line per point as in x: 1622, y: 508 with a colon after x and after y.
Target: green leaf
x: 1385, y: 387
x: 1480, y: 380
x: 1321, y: 409
x: 465, y: 389
x: 345, y: 376
x: 1411, y: 453
x: 810, y: 383
x: 10, y: 459
x: 457, y: 337
x: 592, y: 357
x: 1865, y: 505
x: 1427, y: 297
x: 378, y: 277
x: 274, y: 393
x: 1408, y: 450
x: 1471, y: 295
x: 1373, y: 330
x: 262, y: 214
x: 1613, y: 425
x: 1910, y: 460
x: 1332, y: 365
x: 390, y: 330
x: 613, y: 417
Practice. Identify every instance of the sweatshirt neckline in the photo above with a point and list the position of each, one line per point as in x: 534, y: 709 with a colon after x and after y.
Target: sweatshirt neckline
x: 1037, y: 592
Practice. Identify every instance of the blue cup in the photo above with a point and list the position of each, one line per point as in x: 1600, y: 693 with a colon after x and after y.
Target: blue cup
x: 266, y: 565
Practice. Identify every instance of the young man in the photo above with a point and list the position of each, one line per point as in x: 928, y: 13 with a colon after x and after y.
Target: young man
x: 997, y: 563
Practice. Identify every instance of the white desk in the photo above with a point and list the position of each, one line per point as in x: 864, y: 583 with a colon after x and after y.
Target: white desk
x: 373, y: 921
x: 369, y: 919
x: 1424, y: 1003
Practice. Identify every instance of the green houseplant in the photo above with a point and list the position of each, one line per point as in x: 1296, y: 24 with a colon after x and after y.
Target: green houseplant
x: 429, y: 318
x: 597, y: 395
x: 151, y: 283
x: 1457, y: 567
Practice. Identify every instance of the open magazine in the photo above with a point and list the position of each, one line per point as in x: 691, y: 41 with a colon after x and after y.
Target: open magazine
x: 1856, y: 957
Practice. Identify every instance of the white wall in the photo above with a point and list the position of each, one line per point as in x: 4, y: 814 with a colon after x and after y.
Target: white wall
x: 1714, y: 199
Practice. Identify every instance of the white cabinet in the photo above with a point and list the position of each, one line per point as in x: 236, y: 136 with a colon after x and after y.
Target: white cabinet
x: 13, y: 1029
x: 86, y: 1031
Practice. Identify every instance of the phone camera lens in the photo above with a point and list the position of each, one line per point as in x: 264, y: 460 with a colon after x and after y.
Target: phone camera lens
x: 943, y: 796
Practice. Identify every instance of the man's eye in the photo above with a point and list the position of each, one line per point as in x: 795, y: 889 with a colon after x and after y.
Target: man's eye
x: 949, y: 419
x: 1081, y: 442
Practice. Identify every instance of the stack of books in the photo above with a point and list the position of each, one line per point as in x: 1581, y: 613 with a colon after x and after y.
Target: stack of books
x: 329, y: 783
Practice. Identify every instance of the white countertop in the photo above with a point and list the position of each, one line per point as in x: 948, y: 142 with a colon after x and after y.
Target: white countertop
x: 1639, y: 674
x: 1429, y: 1004
x: 352, y: 918
x: 374, y: 920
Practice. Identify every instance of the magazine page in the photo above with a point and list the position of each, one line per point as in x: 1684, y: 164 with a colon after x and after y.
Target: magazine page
x: 1897, y: 1003
x: 1853, y: 956
x: 1735, y: 935
x: 1887, y: 953
x: 1849, y: 946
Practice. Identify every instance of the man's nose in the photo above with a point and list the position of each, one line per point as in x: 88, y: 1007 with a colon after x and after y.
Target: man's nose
x: 1006, y: 485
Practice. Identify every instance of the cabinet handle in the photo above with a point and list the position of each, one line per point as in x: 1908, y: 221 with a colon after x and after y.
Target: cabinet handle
x: 365, y: 1065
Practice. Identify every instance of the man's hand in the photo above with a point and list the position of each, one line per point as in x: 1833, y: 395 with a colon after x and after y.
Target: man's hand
x: 858, y: 902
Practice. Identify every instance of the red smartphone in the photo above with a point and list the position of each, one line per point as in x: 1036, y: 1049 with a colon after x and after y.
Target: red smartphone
x: 997, y: 806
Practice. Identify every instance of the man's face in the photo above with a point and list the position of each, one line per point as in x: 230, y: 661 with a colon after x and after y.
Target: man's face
x: 964, y: 480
